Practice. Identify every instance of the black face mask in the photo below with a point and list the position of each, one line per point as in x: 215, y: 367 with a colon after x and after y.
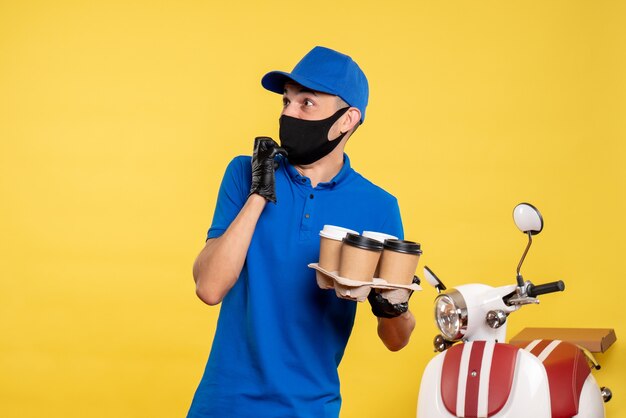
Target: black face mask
x: 306, y: 141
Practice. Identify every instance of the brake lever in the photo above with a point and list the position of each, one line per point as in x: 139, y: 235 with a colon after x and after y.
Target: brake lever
x: 521, y: 296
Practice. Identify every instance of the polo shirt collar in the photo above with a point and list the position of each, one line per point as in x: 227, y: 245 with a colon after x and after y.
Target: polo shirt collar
x: 343, y: 174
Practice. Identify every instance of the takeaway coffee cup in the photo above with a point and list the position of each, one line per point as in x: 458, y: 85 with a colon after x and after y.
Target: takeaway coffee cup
x: 378, y: 236
x: 331, y: 238
x: 398, y: 261
x: 359, y: 257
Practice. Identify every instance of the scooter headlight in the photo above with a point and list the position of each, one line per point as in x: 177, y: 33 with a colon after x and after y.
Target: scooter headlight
x: 451, y: 315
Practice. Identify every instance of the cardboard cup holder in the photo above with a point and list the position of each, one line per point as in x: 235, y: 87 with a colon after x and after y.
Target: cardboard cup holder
x: 350, y: 264
x: 346, y: 288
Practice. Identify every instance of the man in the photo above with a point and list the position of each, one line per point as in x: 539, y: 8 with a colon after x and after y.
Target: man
x: 279, y: 337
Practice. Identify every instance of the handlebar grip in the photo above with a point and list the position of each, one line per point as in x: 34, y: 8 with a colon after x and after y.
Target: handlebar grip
x: 542, y: 289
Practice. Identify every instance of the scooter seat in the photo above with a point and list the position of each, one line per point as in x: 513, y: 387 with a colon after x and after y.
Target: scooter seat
x: 567, y: 371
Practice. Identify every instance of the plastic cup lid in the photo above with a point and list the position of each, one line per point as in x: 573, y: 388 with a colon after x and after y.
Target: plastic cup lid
x: 365, y: 243
x: 403, y: 246
x: 335, y: 232
x: 379, y: 236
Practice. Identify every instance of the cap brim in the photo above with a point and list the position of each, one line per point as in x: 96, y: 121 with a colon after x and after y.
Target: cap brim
x: 275, y: 81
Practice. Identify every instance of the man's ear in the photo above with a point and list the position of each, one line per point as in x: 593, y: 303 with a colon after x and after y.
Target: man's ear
x: 350, y: 119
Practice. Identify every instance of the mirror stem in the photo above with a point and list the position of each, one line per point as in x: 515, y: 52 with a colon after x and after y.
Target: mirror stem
x: 520, y: 280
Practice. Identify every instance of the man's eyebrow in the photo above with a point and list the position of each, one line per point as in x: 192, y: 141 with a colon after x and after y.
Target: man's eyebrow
x: 303, y: 89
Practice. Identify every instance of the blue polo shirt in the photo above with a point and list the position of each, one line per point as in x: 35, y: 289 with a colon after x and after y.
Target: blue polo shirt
x: 279, y: 337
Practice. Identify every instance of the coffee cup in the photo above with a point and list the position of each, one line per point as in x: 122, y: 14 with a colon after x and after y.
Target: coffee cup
x: 359, y: 257
x: 331, y: 238
x: 398, y: 261
x: 378, y: 236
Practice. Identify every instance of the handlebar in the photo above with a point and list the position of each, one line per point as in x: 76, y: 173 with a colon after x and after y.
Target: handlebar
x: 542, y: 289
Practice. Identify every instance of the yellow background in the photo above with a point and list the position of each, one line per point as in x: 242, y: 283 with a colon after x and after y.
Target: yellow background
x: 117, y: 119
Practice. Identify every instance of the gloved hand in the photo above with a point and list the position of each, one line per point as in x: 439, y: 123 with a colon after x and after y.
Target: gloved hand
x: 263, y: 180
x: 382, y: 308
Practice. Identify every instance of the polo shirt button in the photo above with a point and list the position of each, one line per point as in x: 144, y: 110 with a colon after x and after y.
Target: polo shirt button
x: 307, y: 216
x: 303, y: 180
x: 311, y: 196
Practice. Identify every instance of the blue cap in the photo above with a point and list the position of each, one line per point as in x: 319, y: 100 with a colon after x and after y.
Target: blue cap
x: 326, y: 71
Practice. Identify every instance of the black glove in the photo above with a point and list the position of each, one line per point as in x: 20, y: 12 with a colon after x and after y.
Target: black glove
x: 382, y: 308
x: 263, y: 181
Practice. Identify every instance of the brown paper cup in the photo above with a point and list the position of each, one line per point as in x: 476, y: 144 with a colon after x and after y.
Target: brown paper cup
x: 398, y: 261
x: 381, y: 237
x: 331, y: 238
x: 359, y: 258
x: 330, y: 254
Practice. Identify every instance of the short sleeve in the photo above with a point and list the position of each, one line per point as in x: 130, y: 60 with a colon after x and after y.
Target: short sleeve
x: 232, y: 195
x: 393, y: 223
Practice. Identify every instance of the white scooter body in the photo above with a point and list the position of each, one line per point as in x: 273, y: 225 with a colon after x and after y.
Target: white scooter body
x: 482, y: 377
x: 591, y: 403
x: 529, y: 396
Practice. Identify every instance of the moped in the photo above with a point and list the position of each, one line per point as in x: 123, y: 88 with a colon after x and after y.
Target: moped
x: 476, y: 374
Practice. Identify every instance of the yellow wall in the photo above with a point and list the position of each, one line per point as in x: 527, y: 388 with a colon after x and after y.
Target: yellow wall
x: 117, y: 119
